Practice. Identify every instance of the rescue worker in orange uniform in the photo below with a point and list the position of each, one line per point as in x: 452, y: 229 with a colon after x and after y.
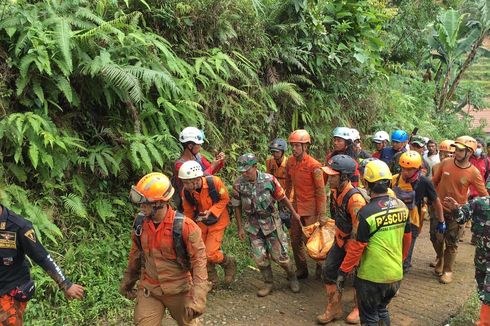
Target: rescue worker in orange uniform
x: 171, y: 270
x: 304, y: 173
x: 205, y: 199
x: 276, y: 165
x: 452, y: 179
x: 346, y: 201
x: 18, y: 239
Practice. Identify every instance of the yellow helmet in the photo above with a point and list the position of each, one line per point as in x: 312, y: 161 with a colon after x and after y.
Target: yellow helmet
x: 376, y: 171
x: 410, y: 159
x: 152, y: 187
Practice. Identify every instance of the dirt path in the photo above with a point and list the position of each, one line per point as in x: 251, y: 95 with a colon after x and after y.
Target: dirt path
x: 422, y: 299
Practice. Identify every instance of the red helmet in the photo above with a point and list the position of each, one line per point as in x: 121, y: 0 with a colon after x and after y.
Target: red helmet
x: 300, y: 136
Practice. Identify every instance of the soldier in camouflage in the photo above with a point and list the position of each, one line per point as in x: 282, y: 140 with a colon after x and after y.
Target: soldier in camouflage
x: 254, y: 193
x: 478, y: 209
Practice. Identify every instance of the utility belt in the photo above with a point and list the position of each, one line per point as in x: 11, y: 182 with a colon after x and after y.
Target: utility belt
x: 23, y: 292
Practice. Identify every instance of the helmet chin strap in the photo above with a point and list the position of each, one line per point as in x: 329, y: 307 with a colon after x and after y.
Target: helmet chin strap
x: 464, y: 158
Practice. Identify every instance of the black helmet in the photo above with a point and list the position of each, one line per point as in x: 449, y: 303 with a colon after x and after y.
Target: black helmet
x: 364, y: 162
x: 278, y: 144
x: 343, y: 164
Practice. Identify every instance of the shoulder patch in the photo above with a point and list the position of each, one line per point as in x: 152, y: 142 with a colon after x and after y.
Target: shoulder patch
x: 31, y: 235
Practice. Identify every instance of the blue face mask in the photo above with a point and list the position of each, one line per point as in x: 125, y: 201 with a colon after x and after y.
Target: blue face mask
x: 478, y: 152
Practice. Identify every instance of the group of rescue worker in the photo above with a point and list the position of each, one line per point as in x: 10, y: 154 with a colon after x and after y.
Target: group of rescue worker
x: 378, y: 203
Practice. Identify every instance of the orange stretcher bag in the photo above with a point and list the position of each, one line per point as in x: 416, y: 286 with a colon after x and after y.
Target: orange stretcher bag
x: 320, y: 239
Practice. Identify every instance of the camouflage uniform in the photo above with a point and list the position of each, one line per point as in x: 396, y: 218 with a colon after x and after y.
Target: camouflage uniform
x: 267, y: 238
x: 478, y: 210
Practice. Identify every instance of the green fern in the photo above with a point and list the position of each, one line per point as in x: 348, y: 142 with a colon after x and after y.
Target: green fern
x: 74, y: 204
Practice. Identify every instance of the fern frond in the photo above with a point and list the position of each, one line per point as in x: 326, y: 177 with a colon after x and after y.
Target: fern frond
x: 74, y: 204
x: 63, y: 36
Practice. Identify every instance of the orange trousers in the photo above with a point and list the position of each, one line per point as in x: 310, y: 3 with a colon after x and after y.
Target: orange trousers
x: 11, y: 311
x: 150, y: 308
x: 298, y: 241
x: 212, y: 236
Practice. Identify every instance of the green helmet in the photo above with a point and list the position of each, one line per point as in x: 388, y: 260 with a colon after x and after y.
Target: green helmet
x: 246, y: 161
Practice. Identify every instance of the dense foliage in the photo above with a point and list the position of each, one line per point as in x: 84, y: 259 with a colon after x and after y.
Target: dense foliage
x: 94, y: 93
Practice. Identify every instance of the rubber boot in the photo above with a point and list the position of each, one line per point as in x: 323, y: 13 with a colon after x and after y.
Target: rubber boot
x: 334, y: 309
x: 447, y: 271
x: 439, y: 266
x: 229, y: 267
x: 484, y: 316
x: 212, y: 274
x: 353, y: 317
x: 268, y: 282
x: 293, y: 280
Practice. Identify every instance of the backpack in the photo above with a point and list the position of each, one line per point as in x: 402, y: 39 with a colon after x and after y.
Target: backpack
x: 341, y: 216
x: 215, y: 197
x: 179, y: 246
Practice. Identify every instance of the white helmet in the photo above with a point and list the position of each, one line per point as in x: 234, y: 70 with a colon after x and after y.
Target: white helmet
x: 355, y: 134
x: 343, y: 132
x: 380, y: 136
x: 190, y: 170
x: 191, y: 134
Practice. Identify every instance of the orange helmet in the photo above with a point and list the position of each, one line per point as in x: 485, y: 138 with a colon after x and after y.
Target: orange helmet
x: 446, y: 145
x: 465, y: 142
x: 300, y: 136
x: 410, y: 159
x: 152, y: 187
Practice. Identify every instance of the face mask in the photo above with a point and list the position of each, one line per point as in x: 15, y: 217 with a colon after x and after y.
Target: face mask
x: 478, y: 152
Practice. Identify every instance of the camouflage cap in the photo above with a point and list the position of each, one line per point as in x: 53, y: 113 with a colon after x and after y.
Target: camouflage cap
x: 246, y: 161
x: 419, y: 141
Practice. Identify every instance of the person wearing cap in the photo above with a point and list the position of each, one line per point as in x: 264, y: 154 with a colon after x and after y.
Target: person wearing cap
x: 356, y: 139
x: 255, y: 193
x: 191, y: 140
x: 345, y: 203
x: 415, y: 189
x: 380, y: 141
x: 390, y: 155
x: 276, y: 165
x: 343, y: 143
x: 432, y: 155
x: 171, y: 269
x: 304, y: 174
x: 205, y: 199
x: 452, y: 179
x: 418, y: 143
x: 379, y: 247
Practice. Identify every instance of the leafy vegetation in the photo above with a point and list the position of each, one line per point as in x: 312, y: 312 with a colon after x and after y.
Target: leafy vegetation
x: 94, y: 93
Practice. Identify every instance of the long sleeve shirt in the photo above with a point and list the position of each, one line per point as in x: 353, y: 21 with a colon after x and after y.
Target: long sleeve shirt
x: 18, y: 239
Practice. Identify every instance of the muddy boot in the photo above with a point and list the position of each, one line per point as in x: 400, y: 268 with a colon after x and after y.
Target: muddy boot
x: 229, y: 267
x: 268, y: 285
x: 353, y: 317
x: 293, y: 280
x: 447, y: 271
x: 212, y: 274
x: 438, y: 266
x: 334, y: 309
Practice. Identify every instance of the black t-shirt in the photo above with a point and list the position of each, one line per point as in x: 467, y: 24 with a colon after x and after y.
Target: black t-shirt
x: 424, y: 188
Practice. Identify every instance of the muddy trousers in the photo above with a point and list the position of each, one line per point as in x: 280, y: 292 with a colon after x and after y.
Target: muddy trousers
x: 298, y: 242
x: 373, y: 299
x: 11, y: 311
x: 331, y: 265
x: 446, y: 245
x: 150, y: 309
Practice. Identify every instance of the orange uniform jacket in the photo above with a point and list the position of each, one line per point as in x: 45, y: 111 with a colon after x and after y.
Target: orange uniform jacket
x: 453, y: 181
x: 355, y: 203
x: 306, y: 177
x: 160, y: 273
x: 205, y: 203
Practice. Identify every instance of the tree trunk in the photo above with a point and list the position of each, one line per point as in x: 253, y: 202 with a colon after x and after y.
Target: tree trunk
x: 136, y: 117
x: 466, y: 64
x: 437, y: 79
x: 443, y: 97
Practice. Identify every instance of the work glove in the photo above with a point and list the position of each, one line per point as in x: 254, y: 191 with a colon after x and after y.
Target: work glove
x: 441, y: 227
x: 341, y: 280
x: 127, y: 290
